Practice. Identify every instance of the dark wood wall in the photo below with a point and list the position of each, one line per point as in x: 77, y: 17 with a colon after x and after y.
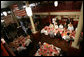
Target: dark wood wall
x: 62, y: 6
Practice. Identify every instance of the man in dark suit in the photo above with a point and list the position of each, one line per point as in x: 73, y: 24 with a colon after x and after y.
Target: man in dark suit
x: 68, y: 21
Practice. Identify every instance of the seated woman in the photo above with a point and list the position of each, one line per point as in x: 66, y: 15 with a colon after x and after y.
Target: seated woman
x: 70, y: 27
x: 51, y: 25
x: 61, y: 26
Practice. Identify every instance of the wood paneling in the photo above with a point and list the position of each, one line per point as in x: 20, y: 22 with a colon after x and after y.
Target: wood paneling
x: 63, y: 6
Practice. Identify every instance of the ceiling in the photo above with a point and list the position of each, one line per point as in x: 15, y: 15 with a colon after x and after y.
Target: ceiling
x: 6, y: 4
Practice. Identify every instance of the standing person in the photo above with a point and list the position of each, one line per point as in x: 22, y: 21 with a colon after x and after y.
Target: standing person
x: 38, y: 26
x: 71, y: 20
x: 68, y: 21
x: 23, y: 27
x: 53, y: 20
x: 29, y: 29
x: 52, y: 33
x: 57, y: 21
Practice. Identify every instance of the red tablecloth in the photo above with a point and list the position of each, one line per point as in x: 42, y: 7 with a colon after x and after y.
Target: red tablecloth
x: 48, y: 50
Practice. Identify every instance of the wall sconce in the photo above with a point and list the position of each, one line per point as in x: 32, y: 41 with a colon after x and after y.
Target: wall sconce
x: 56, y: 3
x: 5, y: 13
x: 2, y: 21
x: 3, y: 41
x: 1, y: 14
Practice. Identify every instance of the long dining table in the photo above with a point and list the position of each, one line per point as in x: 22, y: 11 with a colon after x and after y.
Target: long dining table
x: 46, y: 30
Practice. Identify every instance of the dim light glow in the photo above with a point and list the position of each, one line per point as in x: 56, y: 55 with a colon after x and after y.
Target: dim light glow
x: 56, y: 3
x: 9, y: 12
x: 3, y: 41
x: 2, y: 21
x: 28, y: 11
x: 1, y: 14
x: 5, y: 13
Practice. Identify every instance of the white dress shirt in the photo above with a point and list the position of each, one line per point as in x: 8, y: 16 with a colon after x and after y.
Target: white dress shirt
x: 61, y: 26
x: 70, y: 28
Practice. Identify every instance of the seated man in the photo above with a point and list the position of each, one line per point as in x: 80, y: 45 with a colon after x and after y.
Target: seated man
x: 56, y: 26
x: 27, y: 42
x: 70, y: 27
x: 21, y: 48
x: 61, y: 26
x: 53, y: 20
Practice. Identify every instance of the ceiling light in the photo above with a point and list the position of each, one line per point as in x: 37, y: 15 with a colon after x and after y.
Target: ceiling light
x: 1, y: 14
x: 56, y: 3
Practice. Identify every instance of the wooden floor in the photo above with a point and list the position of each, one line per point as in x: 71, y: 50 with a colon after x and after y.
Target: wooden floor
x: 67, y: 50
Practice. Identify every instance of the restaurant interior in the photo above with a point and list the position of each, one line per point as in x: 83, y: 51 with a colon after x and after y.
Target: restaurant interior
x: 42, y: 28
